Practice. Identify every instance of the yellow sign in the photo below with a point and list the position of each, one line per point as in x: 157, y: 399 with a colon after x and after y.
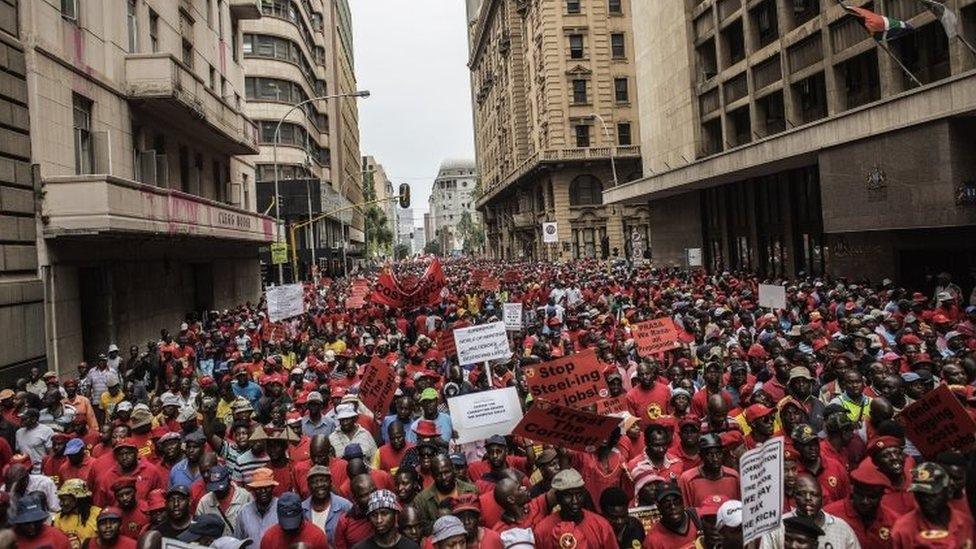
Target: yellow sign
x: 279, y: 253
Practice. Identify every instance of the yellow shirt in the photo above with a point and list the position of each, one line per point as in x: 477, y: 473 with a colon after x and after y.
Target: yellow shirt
x: 288, y: 360
x: 225, y: 410
x: 76, y: 531
x: 339, y: 346
x: 108, y: 401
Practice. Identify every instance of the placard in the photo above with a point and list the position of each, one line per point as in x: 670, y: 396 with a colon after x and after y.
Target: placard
x: 445, y: 344
x: 285, y: 301
x: 564, y: 426
x: 490, y: 284
x: 761, y: 478
x: 377, y: 387
x: 279, y: 253
x: 575, y: 380
x: 938, y: 422
x: 477, y: 416
x: 550, y: 232
x: 482, y: 343
x: 772, y: 296
x: 611, y: 406
x: 656, y: 336
x: 694, y: 256
x: 512, y: 316
x: 648, y: 515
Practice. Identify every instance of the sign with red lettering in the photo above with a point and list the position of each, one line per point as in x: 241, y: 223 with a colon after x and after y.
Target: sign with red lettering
x: 938, y: 422
x: 378, y: 386
x: 575, y: 380
x: 615, y: 405
x: 477, y: 275
x: 490, y: 284
x: 656, y: 336
x: 426, y: 291
x: 564, y: 426
x: 445, y: 343
x: 358, y: 292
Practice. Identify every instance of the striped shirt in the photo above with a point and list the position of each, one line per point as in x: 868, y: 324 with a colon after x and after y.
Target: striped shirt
x: 242, y: 464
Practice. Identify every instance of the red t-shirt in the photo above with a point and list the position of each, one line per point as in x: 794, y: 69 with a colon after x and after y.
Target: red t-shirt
x: 914, y: 531
x: 875, y: 536
x: 661, y: 538
x: 833, y: 479
x: 349, y: 531
x: 121, y: 542
x: 147, y: 475
x: 536, y: 510
x: 381, y: 479
x: 49, y: 537
x: 134, y: 522
x: 694, y: 487
x: 390, y: 458
x: 285, y: 476
x: 649, y: 403
x: 309, y: 534
x: 593, y: 532
x: 69, y: 471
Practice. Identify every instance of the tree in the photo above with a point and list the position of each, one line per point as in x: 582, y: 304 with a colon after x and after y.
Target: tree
x: 433, y: 247
x: 401, y: 251
x: 472, y: 234
x: 378, y: 233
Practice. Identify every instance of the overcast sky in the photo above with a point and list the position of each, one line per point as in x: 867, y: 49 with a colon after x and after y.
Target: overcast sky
x: 411, y: 55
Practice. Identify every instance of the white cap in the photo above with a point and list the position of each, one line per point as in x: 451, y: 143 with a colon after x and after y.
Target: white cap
x: 113, y: 348
x: 124, y: 406
x: 186, y: 414
x: 344, y: 411
x: 729, y: 514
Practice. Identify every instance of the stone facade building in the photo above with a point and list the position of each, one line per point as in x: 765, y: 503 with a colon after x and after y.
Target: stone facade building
x: 540, y: 71
x: 452, y: 195
x: 777, y: 135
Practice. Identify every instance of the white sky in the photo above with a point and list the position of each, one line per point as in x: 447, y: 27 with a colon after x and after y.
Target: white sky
x: 412, y: 56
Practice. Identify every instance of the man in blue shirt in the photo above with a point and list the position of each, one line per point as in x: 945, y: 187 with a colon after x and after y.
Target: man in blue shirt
x: 403, y: 406
x: 244, y: 386
x: 315, y: 423
x: 323, y: 508
x: 187, y: 470
x: 429, y: 400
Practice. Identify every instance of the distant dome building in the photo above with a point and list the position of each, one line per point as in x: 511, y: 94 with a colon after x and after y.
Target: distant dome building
x: 451, y: 196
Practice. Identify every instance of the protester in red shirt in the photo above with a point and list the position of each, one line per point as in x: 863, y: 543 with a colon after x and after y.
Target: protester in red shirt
x: 711, y: 477
x: 31, y: 528
x: 934, y: 523
x: 863, y: 511
x: 467, y: 508
x: 389, y: 456
x: 292, y: 526
x: 649, y: 398
x: 126, y: 463
x: 108, y: 531
x: 676, y: 529
x: 354, y: 526
x: 830, y: 474
x: 573, y: 526
x: 134, y: 521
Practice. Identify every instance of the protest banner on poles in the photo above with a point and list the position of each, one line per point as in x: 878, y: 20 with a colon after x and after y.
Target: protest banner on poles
x: 411, y: 292
x: 512, y: 316
x: 490, y: 284
x: 938, y: 422
x: 551, y: 423
x: 477, y: 416
x: 482, y: 343
x: 575, y: 380
x: 761, y: 478
x: 285, y: 301
x: 378, y: 386
x: 772, y: 296
x: 656, y: 336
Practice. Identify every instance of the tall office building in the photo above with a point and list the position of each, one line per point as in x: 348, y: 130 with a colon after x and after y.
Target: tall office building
x: 555, y: 111
x: 779, y: 136
x: 452, y: 195
x: 297, y: 51
x: 146, y: 203
x: 383, y: 188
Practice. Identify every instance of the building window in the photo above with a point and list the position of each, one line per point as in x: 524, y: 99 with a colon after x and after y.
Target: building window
x: 133, y: 24
x: 621, y: 93
x: 153, y: 31
x: 582, y: 135
x: 220, y: 18
x: 235, y: 43
x: 572, y: 6
x: 84, y: 149
x: 576, y: 46
x: 585, y: 190
x: 209, y: 13
x: 213, y: 78
x: 614, y: 6
x: 617, y: 46
x: 69, y: 9
x: 623, y: 134
x: 579, y: 91
x: 187, y: 53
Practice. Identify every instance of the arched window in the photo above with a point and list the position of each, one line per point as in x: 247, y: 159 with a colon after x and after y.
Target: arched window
x: 585, y: 190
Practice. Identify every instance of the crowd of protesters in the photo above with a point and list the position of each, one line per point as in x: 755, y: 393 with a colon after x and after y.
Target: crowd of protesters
x: 233, y: 431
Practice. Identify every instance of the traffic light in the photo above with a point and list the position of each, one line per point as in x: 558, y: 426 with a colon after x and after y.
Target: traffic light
x: 404, y: 195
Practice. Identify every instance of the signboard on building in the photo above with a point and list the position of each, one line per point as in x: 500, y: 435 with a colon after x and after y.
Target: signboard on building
x: 279, y: 253
x: 550, y: 232
x: 694, y: 256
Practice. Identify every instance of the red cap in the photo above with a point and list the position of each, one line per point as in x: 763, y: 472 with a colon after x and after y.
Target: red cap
x: 123, y: 482
x: 337, y: 392
x: 877, y: 444
x: 130, y: 443
x: 155, y: 501
x: 919, y: 297
x: 466, y: 502
x: 709, y: 504
x: 731, y: 439
x: 158, y: 432
x: 910, y: 339
x: 757, y: 351
x: 757, y: 411
x: 940, y: 319
x: 61, y: 437
x: 867, y: 473
x: 690, y: 419
x: 426, y: 428
x: 207, y: 381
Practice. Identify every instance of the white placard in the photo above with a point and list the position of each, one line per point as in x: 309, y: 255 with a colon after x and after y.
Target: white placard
x: 482, y: 343
x: 170, y: 543
x: 512, y: 316
x: 694, y: 257
x: 772, y: 296
x: 478, y: 416
x: 761, y: 477
x: 285, y: 301
x: 550, y: 233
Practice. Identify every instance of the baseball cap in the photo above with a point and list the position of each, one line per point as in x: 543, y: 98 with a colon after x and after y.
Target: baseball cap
x: 318, y: 470
x: 207, y: 525
x: 497, y: 440
x: 314, y: 396
x: 804, y: 434
x: 567, y: 479
x: 799, y: 372
x: 290, y: 511
x: 382, y: 499
x: 346, y: 411
x: 352, y: 451
x: 218, y: 478
x: 428, y: 394
x: 110, y: 513
x: 729, y: 514
x: 74, y: 446
x: 929, y: 478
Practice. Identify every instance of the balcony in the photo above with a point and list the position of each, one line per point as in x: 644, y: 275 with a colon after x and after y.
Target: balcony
x: 245, y: 9
x: 523, y: 220
x: 105, y: 205
x: 179, y: 98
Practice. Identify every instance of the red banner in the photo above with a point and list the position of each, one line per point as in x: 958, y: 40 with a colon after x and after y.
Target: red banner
x: 427, y: 291
x: 575, y: 380
x: 358, y: 292
x: 656, y: 336
x: 938, y: 422
x: 563, y: 426
x: 490, y: 284
x: 378, y: 387
x: 512, y: 277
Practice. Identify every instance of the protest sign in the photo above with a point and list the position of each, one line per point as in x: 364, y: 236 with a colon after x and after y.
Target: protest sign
x: 482, y: 343
x: 410, y: 293
x: 285, y: 301
x: 512, y: 316
x: 550, y: 232
x: 575, y: 380
x: 938, y: 422
x: 358, y: 292
x: 615, y: 405
x: 477, y: 275
x: 761, y: 478
x: 772, y: 296
x: 477, y: 416
x: 648, y: 515
x: 378, y: 386
x: 490, y: 284
x: 655, y: 336
x: 445, y: 344
x: 512, y: 277
x: 564, y: 426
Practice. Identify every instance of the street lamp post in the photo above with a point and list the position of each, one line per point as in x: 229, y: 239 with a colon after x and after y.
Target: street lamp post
x: 277, y: 134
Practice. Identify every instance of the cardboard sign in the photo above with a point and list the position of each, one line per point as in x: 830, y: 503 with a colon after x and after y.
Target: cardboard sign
x: 512, y: 316
x: 611, y: 406
x: 772, y: 296
x: 285, y: 301
x: 656, y: 336
x: 564, y: 426
x: 938, y: 422
x: 575, y: 380
x: 648, y: 516
x: 445, y: 344
x: 378, y: 386
x: 477, y: 416
x: 761, y: 478
x: 490, y: 284
x: 358, y: 292
x: 694, y: 256
x: 482, y: 343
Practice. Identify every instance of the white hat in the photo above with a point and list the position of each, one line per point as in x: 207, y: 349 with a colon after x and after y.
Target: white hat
x: 729, y: 514
x: 330, y: 356
x: 344, y: 411
x: 124, y: 406
x: 187, y: 413
x: 113, y: 348
x: 314, y: 396
x: 297, y: 370
x: 170, y: 400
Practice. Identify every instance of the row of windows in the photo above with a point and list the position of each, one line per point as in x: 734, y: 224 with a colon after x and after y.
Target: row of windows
x: 294, y: 135
x: 288, y: 10
x: 613, y: 6
x: 618, y: 46
x: 285, y: 91
x: 583, y: 139
x: 621, y: 91
x: 273, y: 47
x: 265, y: 172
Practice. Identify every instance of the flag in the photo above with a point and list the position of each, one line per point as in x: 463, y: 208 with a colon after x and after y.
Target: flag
x: 945, y: 16
x: 881, y: 27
